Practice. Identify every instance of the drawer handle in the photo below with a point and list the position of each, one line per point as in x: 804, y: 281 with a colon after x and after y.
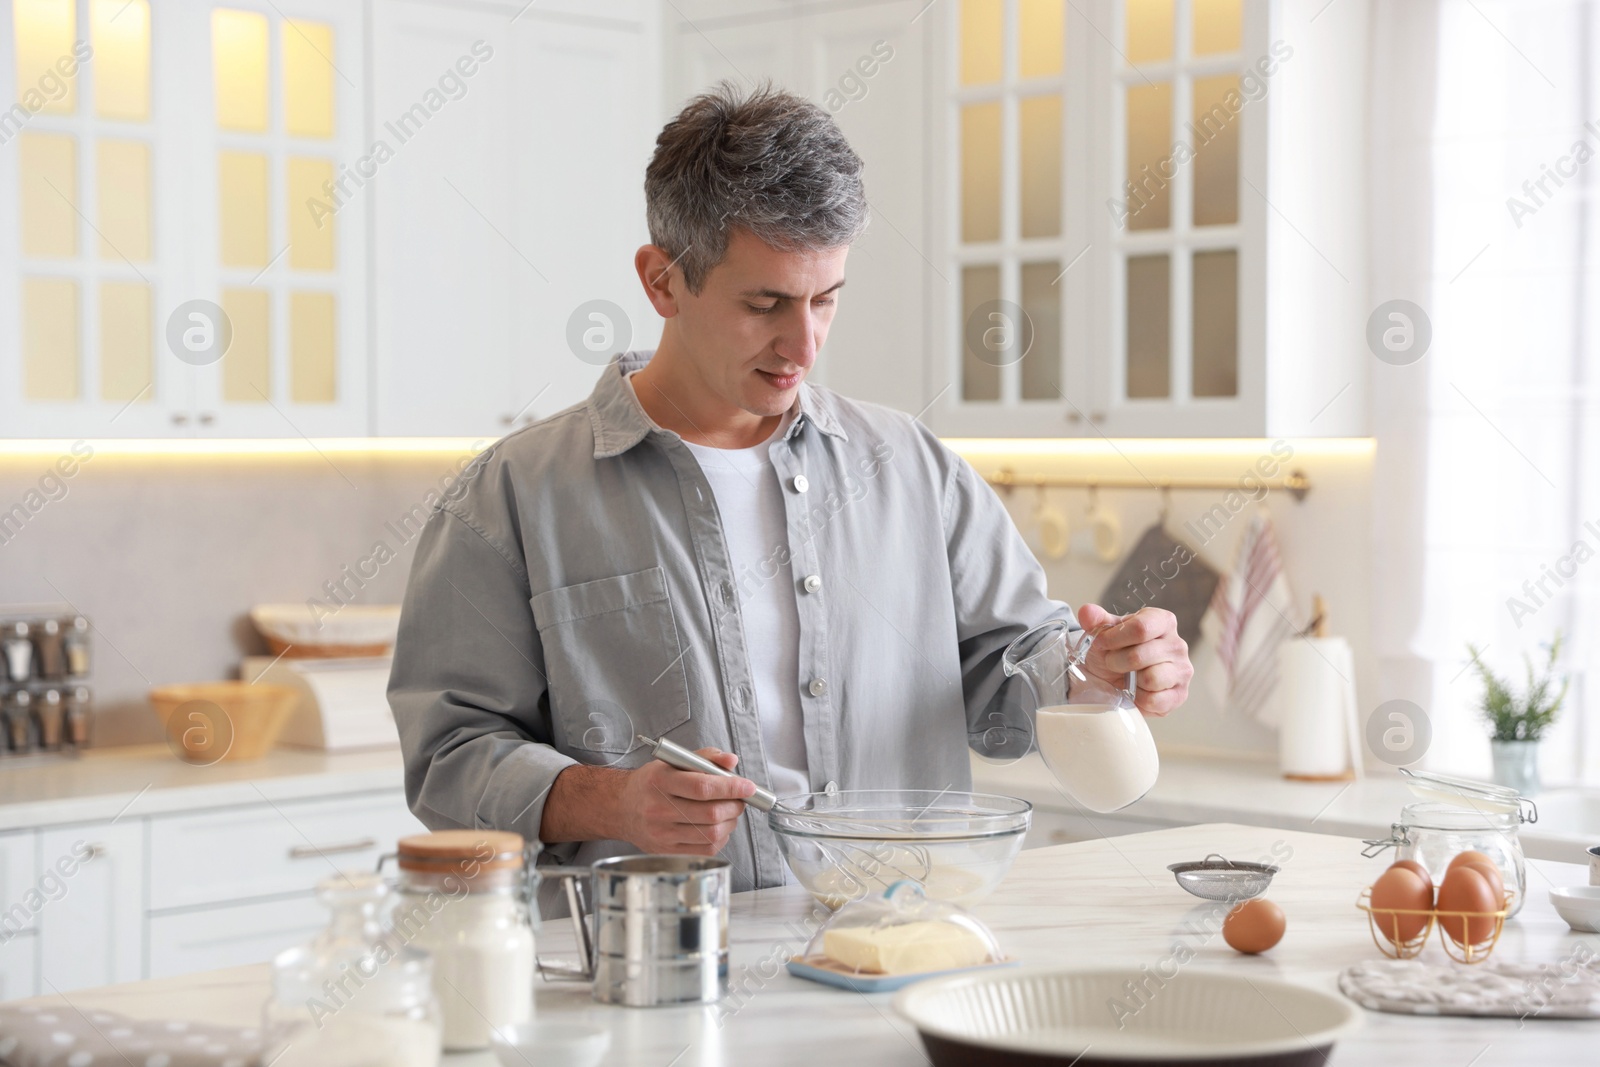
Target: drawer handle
x: 95, y: 851
x: 306, y: 852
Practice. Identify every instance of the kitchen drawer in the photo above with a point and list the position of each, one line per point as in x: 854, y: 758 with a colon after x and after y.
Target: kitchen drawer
x: 273, y: 849
x: 19, y: 967
x: 231, y: 936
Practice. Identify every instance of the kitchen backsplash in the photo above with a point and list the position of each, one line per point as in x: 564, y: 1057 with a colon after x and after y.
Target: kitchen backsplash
x: 167, y: 553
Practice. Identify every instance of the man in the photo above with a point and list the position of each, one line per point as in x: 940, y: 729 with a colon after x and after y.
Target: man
x: 811, y: 589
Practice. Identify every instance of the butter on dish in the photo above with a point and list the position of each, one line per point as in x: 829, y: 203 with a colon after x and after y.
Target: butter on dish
x: 905, y: 948
x: 886, y: 940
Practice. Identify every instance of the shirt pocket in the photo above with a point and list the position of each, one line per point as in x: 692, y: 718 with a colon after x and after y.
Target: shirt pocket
x: 614, y: 663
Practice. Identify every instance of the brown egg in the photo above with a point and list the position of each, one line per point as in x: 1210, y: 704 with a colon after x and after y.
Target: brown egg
x: 1254, y: 926
x: 1465, y: 889
x: 1467, y: 857
x: 1492, y: 875
x: 1413, y: 865
x: 1401, y: 889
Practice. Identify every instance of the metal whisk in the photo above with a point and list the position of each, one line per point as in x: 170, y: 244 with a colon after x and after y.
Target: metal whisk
x: 858, y: 863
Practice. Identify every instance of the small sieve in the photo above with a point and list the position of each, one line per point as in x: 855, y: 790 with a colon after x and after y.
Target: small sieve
x: 1218, y: 878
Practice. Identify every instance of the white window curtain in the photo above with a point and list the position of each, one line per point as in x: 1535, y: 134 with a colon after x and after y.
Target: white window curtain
x: 1485, y: 162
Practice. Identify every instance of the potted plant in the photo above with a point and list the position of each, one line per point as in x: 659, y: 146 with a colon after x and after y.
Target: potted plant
x: 1519, y: 722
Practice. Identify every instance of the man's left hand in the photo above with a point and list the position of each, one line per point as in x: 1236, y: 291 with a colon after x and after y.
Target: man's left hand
x: 1146, y: 642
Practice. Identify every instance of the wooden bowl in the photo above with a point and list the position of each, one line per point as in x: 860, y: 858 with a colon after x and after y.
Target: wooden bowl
x: 211, y: 721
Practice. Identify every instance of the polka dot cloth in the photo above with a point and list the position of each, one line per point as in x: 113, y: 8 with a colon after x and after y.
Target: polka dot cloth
x: 35, y: 1036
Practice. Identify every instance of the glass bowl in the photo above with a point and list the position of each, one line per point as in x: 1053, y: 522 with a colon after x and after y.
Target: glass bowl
x: 843, y: 846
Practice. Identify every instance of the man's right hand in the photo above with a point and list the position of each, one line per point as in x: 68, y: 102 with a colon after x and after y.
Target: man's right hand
x: 668, y: 810
x: 655, y: 808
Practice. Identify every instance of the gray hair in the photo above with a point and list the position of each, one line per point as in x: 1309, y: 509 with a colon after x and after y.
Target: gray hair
x: 771, y: 162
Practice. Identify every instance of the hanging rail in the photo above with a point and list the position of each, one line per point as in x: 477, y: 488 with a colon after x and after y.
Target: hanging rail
x: 1296, y: 484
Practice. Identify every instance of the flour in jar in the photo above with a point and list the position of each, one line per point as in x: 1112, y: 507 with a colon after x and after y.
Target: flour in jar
x: 1102, y: 754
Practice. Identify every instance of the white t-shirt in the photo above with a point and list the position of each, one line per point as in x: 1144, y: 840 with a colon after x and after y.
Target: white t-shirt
x: 750, y: 501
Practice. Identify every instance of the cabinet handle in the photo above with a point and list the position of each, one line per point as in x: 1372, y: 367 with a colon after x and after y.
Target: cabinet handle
x: 179, y: 419
x: 505, y: 420
x: 306, y: 852
x: 206, y: 418
x: 1073, y: 416
x: 96, y: 851
x: 1097, y: 416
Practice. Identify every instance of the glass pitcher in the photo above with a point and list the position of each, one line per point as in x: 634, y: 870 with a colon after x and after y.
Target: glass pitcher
x: 1092, y: 735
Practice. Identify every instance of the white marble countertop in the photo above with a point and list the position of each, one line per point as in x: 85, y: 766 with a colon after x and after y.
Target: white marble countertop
x: 1108, y: 901
x: 149, y: 780
x: 1196, y: 789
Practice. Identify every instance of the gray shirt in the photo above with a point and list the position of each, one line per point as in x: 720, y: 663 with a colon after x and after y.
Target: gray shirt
x: 574, y: 590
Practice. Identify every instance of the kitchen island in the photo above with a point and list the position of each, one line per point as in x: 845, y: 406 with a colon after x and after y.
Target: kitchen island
x: 1109, y: 901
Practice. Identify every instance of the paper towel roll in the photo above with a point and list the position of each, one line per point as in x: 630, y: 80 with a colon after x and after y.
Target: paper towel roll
x: 1317, y: 700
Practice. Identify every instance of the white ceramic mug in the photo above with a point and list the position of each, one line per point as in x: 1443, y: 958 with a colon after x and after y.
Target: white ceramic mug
x: 1594, y: 865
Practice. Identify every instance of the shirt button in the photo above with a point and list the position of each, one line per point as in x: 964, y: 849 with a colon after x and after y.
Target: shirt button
x: 812, y: 583
x: 817, y: 687
x: 800, y: 483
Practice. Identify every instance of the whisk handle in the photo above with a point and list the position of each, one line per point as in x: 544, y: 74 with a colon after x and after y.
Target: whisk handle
x: 676, y: 755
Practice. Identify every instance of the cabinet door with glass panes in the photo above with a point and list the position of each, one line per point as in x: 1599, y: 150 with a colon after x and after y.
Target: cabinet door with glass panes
x: 1105, y: 253
x: 86, y: 257
x: 173, y: 269
x: 279, y: 236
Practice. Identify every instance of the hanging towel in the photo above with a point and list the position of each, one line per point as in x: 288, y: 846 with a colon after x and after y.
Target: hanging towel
x: 1247, y: 621
x: 1163, y: 572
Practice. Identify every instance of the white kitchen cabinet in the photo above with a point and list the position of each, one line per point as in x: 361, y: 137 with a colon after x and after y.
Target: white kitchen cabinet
x: 864, y: 64
x: 138, y: 206
x: 1233, y: 307
x: 206, y: 939
x: 19, y: 967
x: 516, y: 204
x: 299, y: 361
x: 19, y: 873
x: 267, y: 850
x: 93, y: 935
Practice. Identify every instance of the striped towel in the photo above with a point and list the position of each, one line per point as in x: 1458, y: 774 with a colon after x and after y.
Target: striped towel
x: 1247, y: 620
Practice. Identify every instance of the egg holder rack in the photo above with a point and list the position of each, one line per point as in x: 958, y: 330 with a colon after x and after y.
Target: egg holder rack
x: 1461, y: 951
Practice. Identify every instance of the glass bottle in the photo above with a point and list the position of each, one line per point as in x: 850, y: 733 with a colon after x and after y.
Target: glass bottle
x: 466, y: 896
x: 357, y: 995
x: 75, y: 648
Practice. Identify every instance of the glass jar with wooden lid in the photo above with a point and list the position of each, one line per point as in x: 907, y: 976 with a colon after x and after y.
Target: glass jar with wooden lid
x: 467, y: 896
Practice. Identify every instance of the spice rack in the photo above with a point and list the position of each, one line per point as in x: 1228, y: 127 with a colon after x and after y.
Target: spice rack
x: 46, y: 698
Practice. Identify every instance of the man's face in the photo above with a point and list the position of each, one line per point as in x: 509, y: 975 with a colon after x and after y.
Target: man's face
x: 753, y: 331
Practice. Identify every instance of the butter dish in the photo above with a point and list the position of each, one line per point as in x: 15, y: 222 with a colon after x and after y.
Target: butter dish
x: 884, y: 942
